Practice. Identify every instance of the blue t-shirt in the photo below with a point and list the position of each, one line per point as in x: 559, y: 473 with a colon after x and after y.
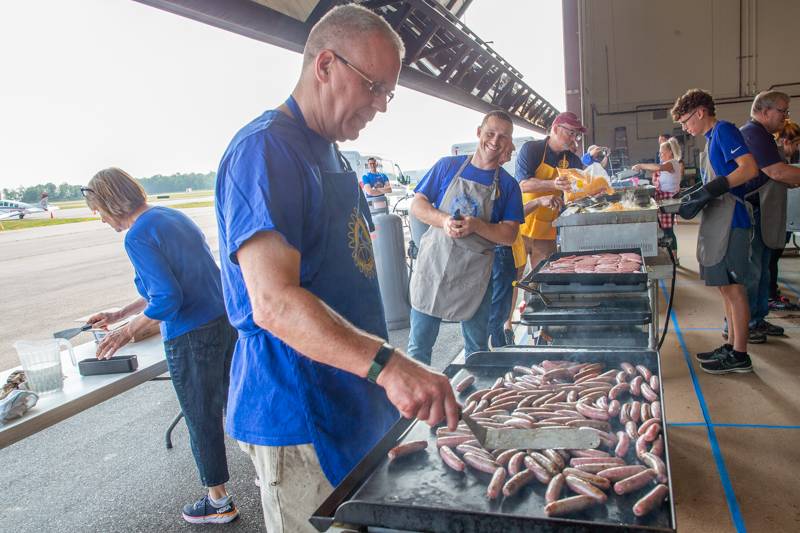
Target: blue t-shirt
x: 267, y: 181
x: 764, y: 149
x: 375, y: 179
x: 725, y: 144
x: 175, y: 271
x: 434, y: 185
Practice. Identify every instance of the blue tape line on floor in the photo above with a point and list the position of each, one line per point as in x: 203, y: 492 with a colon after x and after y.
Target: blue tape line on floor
x: 727, y: 487
x: 720, y: 329
x: 724, y: 425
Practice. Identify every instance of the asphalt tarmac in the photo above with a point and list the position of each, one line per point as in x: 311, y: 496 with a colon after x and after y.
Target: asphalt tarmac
x: 107, y: 469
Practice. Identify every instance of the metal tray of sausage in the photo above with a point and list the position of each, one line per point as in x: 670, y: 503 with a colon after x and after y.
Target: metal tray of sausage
x: 419, y: 493
x: 575, y: 282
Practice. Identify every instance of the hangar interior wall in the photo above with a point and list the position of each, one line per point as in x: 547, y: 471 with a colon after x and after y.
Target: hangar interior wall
x: 636, y: 57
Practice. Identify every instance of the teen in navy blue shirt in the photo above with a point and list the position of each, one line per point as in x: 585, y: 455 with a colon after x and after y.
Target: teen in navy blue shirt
x: 181, y: 290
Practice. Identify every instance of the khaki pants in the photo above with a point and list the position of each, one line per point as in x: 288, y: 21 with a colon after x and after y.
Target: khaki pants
x: 538, y: 249
x: 292, y: 485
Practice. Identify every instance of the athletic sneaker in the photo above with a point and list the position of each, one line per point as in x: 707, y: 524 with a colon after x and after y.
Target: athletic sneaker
x: 769, y: 329
x: 203, y: 511
x: 755, y: 336
x: 716, y: 353
x: 728, y: 364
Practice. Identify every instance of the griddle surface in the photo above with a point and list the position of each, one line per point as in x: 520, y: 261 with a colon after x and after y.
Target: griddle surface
x: 419, y: 493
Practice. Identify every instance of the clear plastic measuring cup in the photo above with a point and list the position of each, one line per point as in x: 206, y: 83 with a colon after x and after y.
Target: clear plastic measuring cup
x: 41, y: 361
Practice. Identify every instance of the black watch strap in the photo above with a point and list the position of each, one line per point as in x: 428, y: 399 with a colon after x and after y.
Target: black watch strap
x: 379, y: 362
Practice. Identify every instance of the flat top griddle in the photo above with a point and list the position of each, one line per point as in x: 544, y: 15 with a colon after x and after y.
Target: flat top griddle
x: 419, y: 493
x: 575, y: 282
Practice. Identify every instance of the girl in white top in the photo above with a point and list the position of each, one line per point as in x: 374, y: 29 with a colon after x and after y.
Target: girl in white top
x: 670, y: 171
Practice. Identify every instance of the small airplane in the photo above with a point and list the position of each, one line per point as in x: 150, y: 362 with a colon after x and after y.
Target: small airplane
x: 13, y: 209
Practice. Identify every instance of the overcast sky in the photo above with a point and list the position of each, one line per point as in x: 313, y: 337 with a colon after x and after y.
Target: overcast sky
x: 88, y: 84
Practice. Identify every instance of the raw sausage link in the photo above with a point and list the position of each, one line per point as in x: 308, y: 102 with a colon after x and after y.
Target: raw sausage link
x: 587, y: 489
x: 496, y: 484
x: 623, y: 444
x: 621, y: 472
x: 478, y: 462
x: 635, y: 482
x: 518, y: 481
x: 595, y: 479
x: 407, y: 448
x: 538, y: 470
x: 651, y: 500
x: 451, y: 459
x: 569, y: 505
x: 648, y: 393
x: 644, y: 372
x: 464, y: 384
x: 515, y: 463
x: 554, y: 488
x: 658, y: 466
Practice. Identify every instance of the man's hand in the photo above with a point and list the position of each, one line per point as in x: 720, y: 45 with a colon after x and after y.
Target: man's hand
x: 453, y: 228
x: 419, y: 392
x: 104, y: 319
x: 562, y: 183
x: 113, y: 341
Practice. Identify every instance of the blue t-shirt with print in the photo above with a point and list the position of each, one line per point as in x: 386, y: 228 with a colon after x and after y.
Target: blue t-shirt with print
x: 725, y: 144
x: 508, y: 206
x: 375, y: 179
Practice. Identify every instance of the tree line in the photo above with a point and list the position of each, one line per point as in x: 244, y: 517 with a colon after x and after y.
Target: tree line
x: 157, y: 184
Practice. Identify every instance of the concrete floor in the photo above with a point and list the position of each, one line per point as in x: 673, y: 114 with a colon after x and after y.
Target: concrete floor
x: 733, y: 439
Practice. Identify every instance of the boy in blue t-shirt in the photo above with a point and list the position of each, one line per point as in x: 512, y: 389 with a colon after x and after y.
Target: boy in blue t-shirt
x: 733, y: 166
x: 375, y: 183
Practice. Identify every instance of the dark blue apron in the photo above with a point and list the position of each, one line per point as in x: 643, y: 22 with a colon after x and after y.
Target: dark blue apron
x: 346, y: 414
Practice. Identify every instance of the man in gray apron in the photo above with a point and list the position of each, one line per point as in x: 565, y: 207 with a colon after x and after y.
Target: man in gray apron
x: 768, y: 198
x: 724, y: 236
x: 471, y: 204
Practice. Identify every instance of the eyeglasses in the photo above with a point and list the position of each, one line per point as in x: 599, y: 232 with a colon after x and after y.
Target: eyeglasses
x: 376, y: 88
x: 574, y: 134
x: 784, y: 112
x: 686, y: 121
x: 84, y: 190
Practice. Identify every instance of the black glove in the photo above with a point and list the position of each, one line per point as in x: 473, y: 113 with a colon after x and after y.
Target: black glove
x: 694, y: 202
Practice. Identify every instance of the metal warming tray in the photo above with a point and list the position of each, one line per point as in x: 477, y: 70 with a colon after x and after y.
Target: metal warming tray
x: 583, y: 336
x: 613, y: 230
x: 420, y: 493
x: 629, y: 311
x: 572, y: 282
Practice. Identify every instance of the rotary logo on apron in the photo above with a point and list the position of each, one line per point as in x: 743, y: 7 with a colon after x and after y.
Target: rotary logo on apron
x: 359, y: 242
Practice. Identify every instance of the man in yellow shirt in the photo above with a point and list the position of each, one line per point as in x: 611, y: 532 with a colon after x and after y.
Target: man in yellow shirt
x: 537, y: 174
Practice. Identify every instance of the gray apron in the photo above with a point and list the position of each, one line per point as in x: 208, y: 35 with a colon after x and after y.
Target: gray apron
x: 452, y: 275
x: 772, y: 207
x: 715, y: 219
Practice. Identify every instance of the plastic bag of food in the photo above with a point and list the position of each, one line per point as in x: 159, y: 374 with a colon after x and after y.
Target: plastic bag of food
x: 586, y: 182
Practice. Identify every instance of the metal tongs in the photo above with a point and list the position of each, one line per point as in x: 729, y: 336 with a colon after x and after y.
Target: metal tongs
x: 687, y: 192
x: 550, y: 303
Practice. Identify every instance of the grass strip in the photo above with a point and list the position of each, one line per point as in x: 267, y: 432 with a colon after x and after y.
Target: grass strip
x: 10, y: 225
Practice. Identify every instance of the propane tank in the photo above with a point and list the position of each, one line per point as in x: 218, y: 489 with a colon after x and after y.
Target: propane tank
x: 388, y: 245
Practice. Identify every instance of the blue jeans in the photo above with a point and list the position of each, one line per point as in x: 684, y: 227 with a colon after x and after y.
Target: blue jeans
x: 200, y: 362
x: 758, y: 277
x: 425, y: 329
x: 504, y: 273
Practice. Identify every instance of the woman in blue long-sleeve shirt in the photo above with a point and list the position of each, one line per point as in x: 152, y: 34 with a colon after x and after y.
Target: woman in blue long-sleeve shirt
x: 181, y: 290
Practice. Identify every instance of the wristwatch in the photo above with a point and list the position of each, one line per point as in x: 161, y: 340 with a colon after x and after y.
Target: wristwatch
x: 379, y: 362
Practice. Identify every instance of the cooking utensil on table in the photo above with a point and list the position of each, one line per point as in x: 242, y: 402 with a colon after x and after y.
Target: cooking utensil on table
x: 538, y: 438
x: 69, y: 333
x: 550, y: 303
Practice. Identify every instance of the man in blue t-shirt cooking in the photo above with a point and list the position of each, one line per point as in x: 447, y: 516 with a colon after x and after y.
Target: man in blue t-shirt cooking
x: 471, y: 204
x: 723, y: 246
x: 313, y: 383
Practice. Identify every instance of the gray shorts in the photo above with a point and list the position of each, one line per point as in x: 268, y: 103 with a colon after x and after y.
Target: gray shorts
x: 734, y: 266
